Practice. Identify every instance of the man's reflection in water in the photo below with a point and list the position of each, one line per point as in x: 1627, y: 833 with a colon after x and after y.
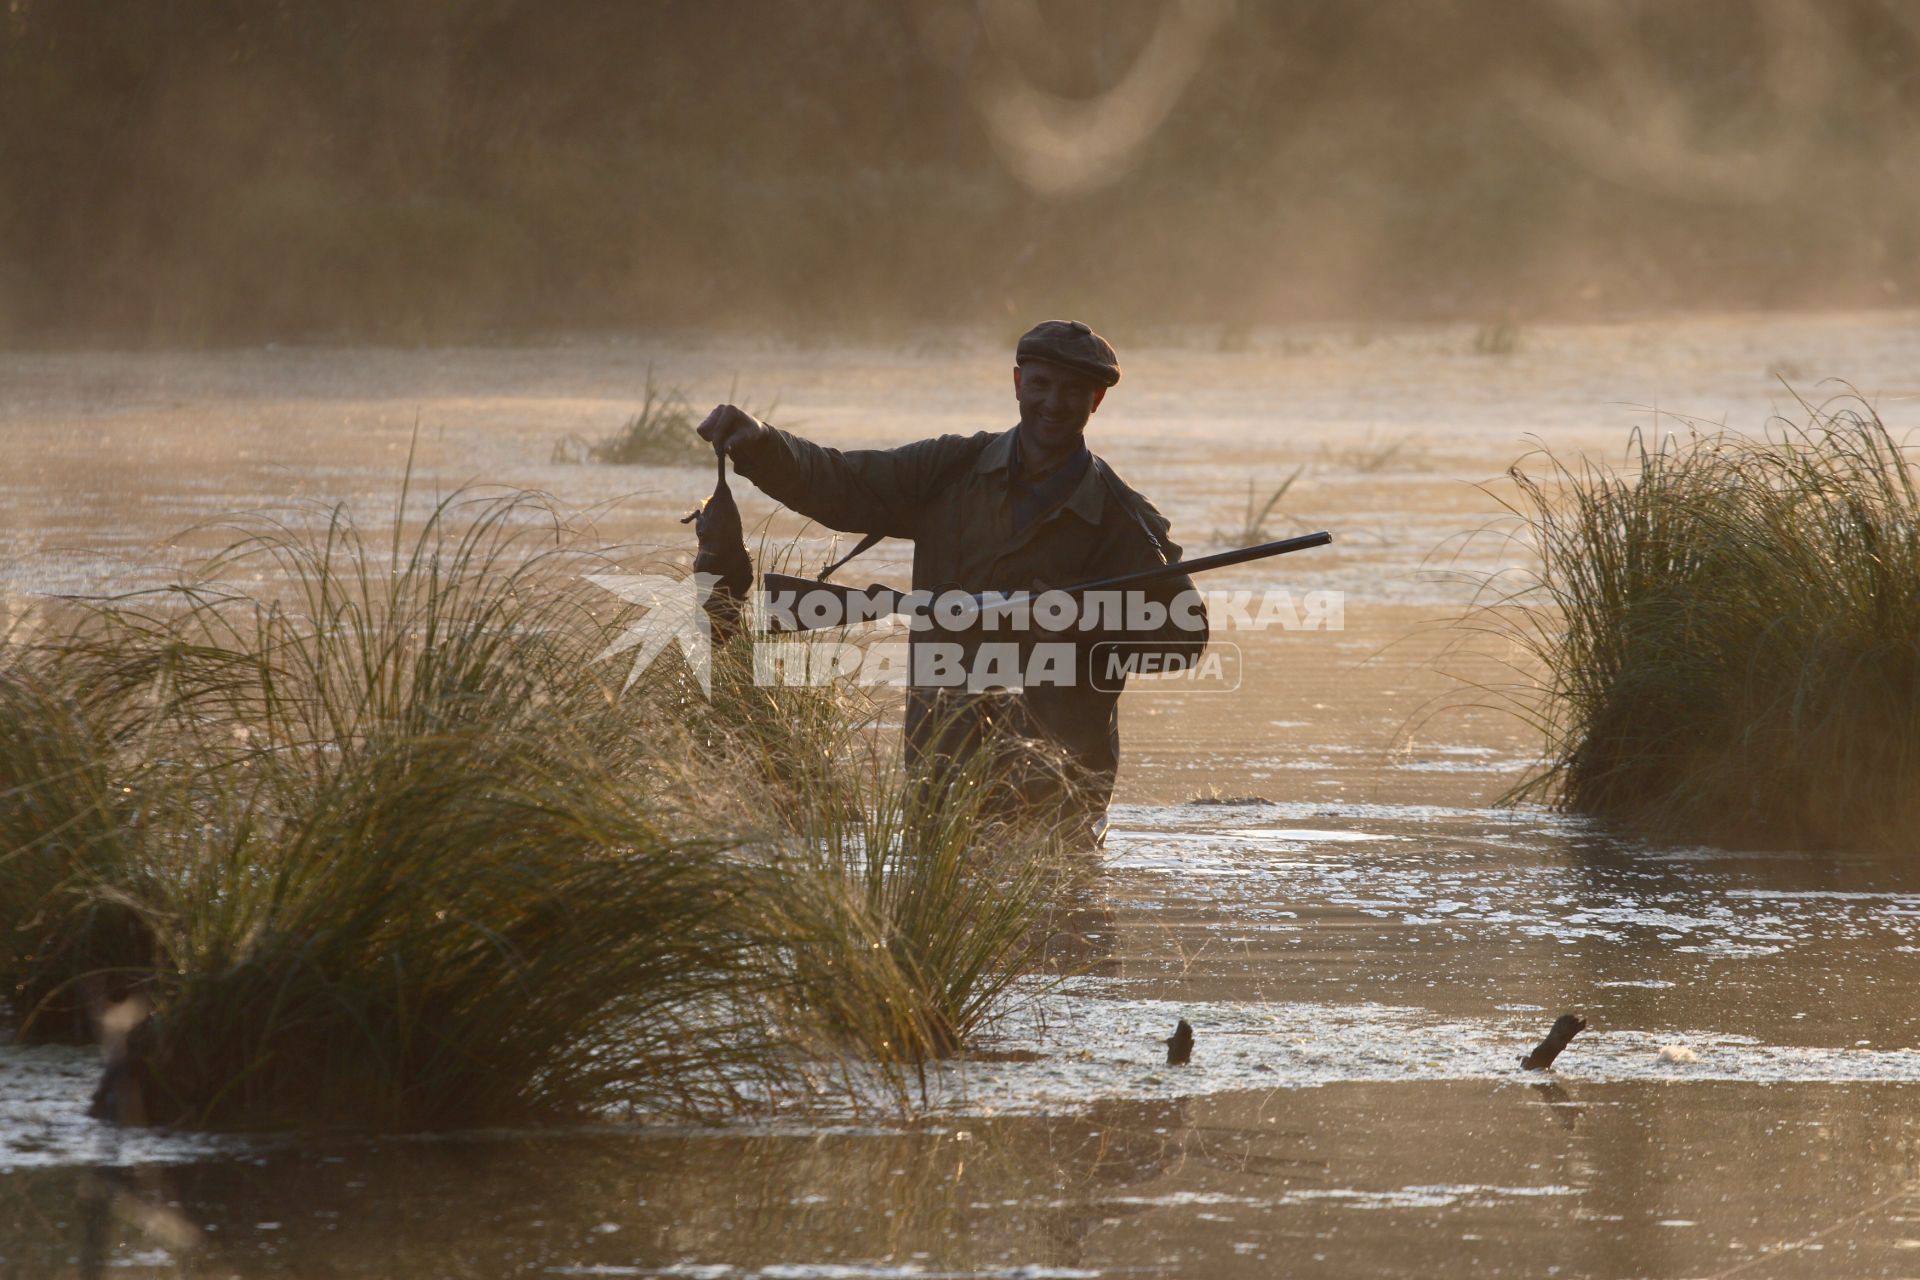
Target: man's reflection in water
x: 109, y: 1195
x: 94, y: 1202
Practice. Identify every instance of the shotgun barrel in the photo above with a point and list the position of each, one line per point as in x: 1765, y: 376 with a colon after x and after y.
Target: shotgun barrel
x: 792, y: 604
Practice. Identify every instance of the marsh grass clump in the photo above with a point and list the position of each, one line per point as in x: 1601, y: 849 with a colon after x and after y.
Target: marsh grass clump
x: 900, y: 907
x: 1499, y: 338
x: 66, y: 824
x: 918, y: 910
x: 663, y: 433
x: 1369, y: 455
x: 1258, y: 511
x: 383, y: 842
x: 375, y: 848
x: 1732, y: 648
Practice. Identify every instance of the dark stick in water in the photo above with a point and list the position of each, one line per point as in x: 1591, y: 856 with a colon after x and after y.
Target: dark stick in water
x: 723, y: 553
x: 1180, y: 1045
x: 1565, y: 1028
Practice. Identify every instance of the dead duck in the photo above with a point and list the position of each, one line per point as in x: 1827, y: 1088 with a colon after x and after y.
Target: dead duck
x: 722, y: 553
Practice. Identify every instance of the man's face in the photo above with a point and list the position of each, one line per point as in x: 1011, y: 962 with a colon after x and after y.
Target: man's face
x: 1055, y: 403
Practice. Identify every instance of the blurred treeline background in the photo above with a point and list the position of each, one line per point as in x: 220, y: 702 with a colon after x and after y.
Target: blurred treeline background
x: 420, y: 170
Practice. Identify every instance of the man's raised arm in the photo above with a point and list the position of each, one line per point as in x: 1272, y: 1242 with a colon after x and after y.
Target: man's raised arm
x: 854, y: 491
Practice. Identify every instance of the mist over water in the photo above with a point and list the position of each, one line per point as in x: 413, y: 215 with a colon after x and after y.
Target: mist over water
x: 446, y: 169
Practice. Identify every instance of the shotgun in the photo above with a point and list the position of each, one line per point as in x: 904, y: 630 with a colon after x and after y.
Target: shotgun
x: 791, y: 603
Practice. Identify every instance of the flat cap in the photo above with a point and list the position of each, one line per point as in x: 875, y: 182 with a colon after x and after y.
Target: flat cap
x: 1073, y: 345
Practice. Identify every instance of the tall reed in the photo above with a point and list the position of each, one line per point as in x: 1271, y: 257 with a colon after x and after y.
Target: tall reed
x: 914, y: 912
x: 384, y: 842
x: 1731, y: 643
x: 67, y: 823
x: 385, y: 830
x: 901, y: 905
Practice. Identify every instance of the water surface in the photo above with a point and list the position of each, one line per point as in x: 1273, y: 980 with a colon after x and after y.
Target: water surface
x: 1364, y: 949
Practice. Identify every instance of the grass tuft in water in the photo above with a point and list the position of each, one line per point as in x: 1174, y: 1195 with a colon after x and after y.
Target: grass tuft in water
x: 67, y: 926
x: 901, y: 914
x: 1731, y: 645
x: 385, y: 835
x: 385, y: 843
x: 1369, y: 455
x: 1258, y: 511
x: 919, y: 910
x: 1499, y: 338
x: 663, y: 433
x: 660, y: 434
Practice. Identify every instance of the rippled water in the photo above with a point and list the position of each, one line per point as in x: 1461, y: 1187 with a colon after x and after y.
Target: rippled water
x: 1364, y: 956
x: 1362, y: 980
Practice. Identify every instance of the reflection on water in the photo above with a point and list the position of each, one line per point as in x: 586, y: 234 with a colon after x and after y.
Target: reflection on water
x: 1361, y: 981
x: 1568, y: 1178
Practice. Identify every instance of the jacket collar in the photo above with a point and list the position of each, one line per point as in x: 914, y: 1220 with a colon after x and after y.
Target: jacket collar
x: 1088, y: 499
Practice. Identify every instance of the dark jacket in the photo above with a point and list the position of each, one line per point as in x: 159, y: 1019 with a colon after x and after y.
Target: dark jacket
x: 950, y: 496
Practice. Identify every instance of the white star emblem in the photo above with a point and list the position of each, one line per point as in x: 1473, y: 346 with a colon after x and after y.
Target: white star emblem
x: 674, y: 612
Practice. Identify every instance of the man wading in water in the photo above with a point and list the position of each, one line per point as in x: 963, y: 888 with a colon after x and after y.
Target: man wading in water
x: 1021, y: 510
